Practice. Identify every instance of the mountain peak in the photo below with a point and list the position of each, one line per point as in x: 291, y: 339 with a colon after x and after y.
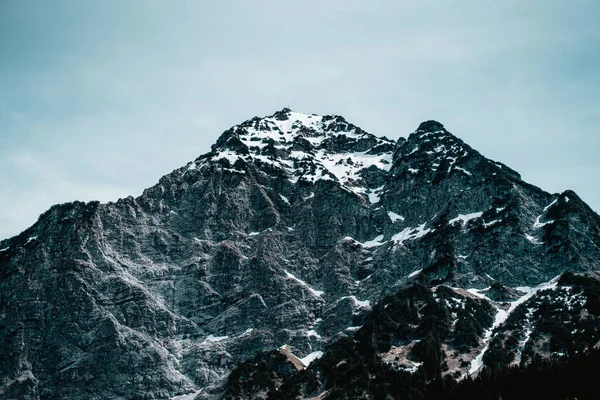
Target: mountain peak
x: 309, y: 147
x: 295, y: 231
x: 286, y: 127
x: 283, y: 114
x: 430, y: 126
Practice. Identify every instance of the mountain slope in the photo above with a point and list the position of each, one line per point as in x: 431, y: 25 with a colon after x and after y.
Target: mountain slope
x: 425, y: 342
x: 287, y: 233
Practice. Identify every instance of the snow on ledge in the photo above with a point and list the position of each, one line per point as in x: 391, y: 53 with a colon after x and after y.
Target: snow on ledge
x: 353, y: 328
x: 550, y: 205
x: 190, y: 396
x: 411, y: 234
x: 533, y: 239
x: 465, y: 218
x: 537, y: 224
x: 215, y: 339
x: 314, y: 333
x: 317, y: 293
x: 359, y: 303
x: 395, y: 217
x: 463, y: 170
x: 491, y: 223
x: 311, y: 357
x: 373, y: 243
x: 415, y: 273
x: 285, y: 199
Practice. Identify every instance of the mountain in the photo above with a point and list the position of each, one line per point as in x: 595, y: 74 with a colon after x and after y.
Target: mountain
x: 298, y: 245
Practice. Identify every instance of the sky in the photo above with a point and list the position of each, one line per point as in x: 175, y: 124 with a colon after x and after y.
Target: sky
x: 98, y: 100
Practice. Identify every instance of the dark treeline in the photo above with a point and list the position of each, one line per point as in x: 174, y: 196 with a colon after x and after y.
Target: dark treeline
x: 573, y: 377
x: 565, y: 378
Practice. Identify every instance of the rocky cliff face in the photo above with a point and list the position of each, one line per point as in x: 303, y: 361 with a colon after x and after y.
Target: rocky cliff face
x: 288, y: 233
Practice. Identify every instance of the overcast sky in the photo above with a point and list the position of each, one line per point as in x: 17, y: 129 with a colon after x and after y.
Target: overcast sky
x: 99, y: 99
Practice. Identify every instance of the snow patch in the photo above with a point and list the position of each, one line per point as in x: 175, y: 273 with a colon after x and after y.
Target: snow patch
x: 494, y: 222
x: 317, y: 293
x: 190, y: 396
x: 215, y: 339
x: 233, y: 170
x: 533, y: 239
x: 502, y: 315
x: 415, y: 273
x: 359, y: 282
x: 227, y: 155
x: 395, y: 217
x: 311, y: 357
x: 550, y: 205
x: 285, y: 199
x: 314, y: 333
x: 413, y: 368
x: 411, y: 234
x: 374, y: 195
x: 463, y: 170
x: 373, y: 243
x: 537, y: 224
x: 359, y: 303
x: 353, y: 328
x: 464, y: 218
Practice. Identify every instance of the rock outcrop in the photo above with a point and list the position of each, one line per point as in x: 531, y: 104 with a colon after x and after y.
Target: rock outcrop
x: 288, y: 233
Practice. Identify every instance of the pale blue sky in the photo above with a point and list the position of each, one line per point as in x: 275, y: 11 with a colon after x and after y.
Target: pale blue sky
x: 98, y: 99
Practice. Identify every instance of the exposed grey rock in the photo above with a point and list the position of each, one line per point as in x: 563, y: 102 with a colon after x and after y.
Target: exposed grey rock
x: 287, y: 233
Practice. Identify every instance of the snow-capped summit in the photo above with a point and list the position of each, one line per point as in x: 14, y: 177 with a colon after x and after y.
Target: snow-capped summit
x: 286, y: 126
x: 308, y: 148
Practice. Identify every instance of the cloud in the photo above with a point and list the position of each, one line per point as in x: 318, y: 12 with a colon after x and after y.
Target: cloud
x: 38, y: 183
x: 111, y: 96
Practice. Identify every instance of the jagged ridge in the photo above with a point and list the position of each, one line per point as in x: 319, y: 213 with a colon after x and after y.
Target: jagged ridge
x: 286, y: 233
